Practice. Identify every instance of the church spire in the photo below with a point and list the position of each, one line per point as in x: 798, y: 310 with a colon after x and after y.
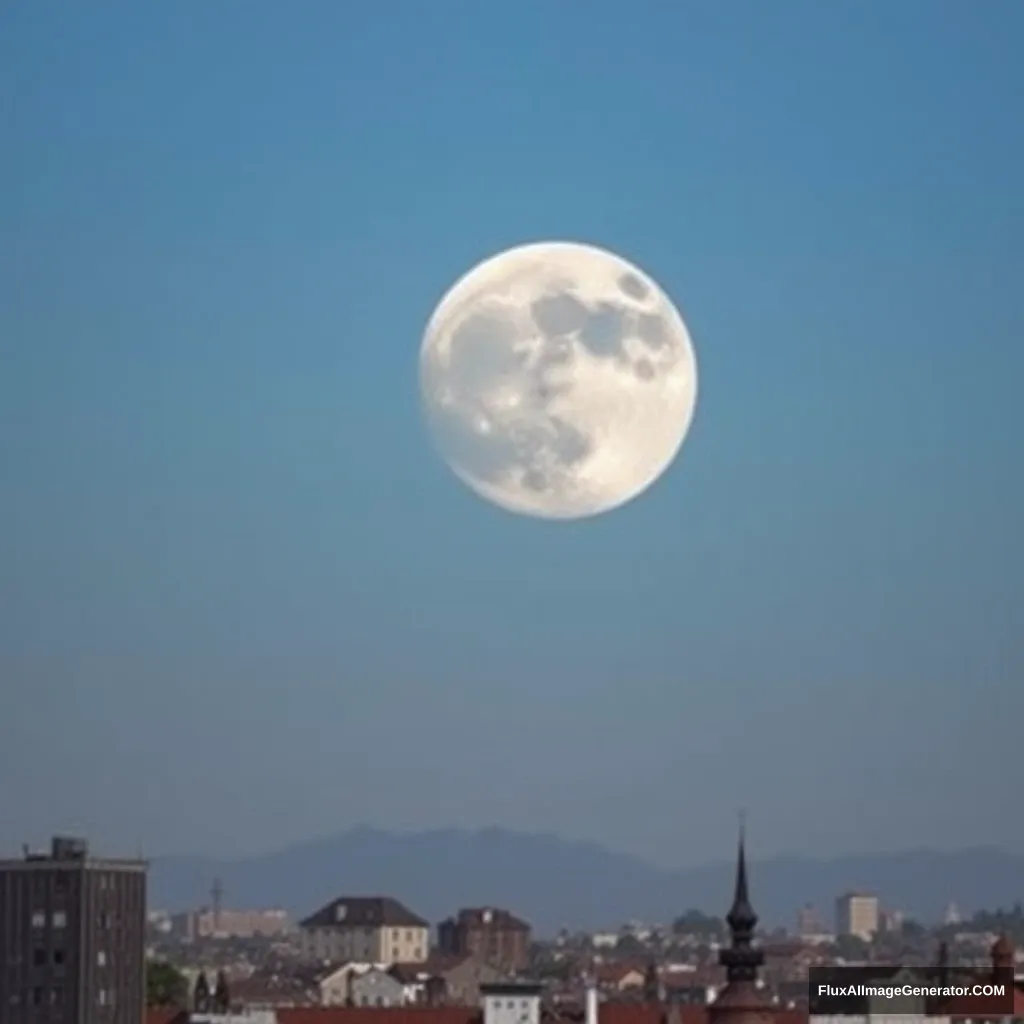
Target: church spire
x: 741, y: 960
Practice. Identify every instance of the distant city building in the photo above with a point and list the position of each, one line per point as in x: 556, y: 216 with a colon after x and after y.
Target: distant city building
x: 209, y: 923
x: 493, y: 935
x: 72, y: 937
x: 857, y: 915
x: 374, y: 929
x: 808, y: 922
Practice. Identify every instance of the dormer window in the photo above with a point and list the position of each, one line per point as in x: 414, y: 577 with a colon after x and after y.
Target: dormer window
x: 340, y: 912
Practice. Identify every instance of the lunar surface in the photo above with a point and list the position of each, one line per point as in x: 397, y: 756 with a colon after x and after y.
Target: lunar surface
x: 558, y: 380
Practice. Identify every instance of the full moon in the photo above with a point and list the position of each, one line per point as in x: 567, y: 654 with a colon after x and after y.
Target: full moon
x: 558, y: 380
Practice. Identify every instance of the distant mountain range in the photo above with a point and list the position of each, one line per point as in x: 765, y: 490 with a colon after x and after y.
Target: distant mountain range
x: 554, y: 883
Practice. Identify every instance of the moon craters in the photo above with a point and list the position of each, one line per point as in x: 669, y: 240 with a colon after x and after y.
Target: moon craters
x: 632, y: 286
x: 644, y: 369
x: 603, y: 332
x: 558, y: 380
x: 558, y: 315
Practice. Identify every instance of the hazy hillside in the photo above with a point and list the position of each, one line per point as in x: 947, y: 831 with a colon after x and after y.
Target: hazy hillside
x: 553, y: 882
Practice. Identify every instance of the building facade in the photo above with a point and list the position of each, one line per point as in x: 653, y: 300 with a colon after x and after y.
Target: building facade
x: 495, y: 936
x: 857, y: 915
x: 72, y: 937
x: 209, y: 923
x: 373, y: 929
x: 375, y: 987
x: 511, y: 1003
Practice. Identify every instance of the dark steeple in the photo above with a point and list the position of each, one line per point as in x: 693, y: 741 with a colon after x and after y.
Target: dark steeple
x: 741, y: 960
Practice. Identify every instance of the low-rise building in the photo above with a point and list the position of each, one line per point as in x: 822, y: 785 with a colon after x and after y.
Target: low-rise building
x: 487, y: 933
x: 374, y: 929
x: 376, y: 987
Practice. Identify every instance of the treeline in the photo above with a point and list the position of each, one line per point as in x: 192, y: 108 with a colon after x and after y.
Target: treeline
x: 1002, y: 922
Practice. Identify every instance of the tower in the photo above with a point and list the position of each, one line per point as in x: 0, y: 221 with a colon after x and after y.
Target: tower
x: 742, y: 1001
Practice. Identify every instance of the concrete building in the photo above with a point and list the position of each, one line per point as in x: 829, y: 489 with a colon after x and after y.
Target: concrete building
x: 446, y: 980
x: 335, y: 984
x: 857, y: 915
x: 374, y: 929
x: 216, y: 923
x: 72, y: 937
x: 511, y: 1003
x: 375, y: 987
x: 490, y: 934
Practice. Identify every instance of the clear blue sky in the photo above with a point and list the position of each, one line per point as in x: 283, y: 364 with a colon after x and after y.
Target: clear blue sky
x: 242, y: 603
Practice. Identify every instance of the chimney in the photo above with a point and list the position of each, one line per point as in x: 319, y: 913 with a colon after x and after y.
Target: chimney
x: 592, y: 1013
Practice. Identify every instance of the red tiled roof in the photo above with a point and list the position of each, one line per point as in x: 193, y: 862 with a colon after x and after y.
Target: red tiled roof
x: 614, y: 972
x: 610, y: 1013
x: 163, y: 1015
x: 380, y: 1015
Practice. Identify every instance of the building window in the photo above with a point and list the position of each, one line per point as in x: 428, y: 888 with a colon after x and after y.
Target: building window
x: 39, y: 957
x: 56, y: 996
x: 37, y: 997
x: 58, y: 957
x: 60, y: 919
x: 102, y: 997
x: 101, y: 959
x: 38, y: 918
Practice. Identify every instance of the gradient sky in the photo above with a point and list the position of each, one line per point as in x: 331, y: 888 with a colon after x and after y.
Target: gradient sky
x: 241, y: 601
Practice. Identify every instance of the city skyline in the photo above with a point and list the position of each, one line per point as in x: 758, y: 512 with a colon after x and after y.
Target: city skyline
x: 242, y: 605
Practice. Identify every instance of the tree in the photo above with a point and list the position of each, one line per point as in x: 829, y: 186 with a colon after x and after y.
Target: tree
x: 698, y: 924
x: 851, y: 947
x: 629, y: 945
x: 221, y: 994
x: 201, y: 994
x: 165, y: 985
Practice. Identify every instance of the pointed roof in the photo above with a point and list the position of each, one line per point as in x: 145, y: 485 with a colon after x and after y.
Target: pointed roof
x: 741, y: 917
x: 741, y: 960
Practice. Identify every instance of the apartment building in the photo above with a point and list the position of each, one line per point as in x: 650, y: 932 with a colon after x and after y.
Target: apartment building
x: 72, y: 937
x: 372, y: 929
x: 492, y: 935
x: 857, y: 915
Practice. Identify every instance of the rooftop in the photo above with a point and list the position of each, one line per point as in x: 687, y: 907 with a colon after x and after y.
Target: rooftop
x: 364, y: 912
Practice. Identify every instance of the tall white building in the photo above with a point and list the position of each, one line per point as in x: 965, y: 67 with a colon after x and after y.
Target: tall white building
x: 857, y: 915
